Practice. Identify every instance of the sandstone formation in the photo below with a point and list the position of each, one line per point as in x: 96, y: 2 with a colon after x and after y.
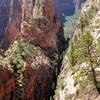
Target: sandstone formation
x: 33, y: 42
x: 20, y: 11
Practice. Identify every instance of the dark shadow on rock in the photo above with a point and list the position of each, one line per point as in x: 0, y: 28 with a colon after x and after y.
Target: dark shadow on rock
x: 4, y: 16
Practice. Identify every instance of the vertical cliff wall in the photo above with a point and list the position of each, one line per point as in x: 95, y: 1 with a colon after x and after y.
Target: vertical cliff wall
x: 80, y: 73
x: 20, y: 11
x: 33, y: 41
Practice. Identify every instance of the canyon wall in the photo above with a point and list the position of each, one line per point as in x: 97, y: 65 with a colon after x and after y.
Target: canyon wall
x: 80, y: 72
x: 33, y: 41
x: 18, y: 11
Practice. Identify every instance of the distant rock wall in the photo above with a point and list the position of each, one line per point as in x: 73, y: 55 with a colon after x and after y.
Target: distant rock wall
x: 69, y: 11
x: 4, y: 16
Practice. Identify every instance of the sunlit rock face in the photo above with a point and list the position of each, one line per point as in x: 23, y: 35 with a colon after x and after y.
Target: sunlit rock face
x: 70, y: 87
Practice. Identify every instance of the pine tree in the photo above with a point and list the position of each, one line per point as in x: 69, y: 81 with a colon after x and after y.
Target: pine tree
x: 84, y: 49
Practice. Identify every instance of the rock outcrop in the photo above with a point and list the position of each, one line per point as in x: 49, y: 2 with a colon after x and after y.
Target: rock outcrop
x: 80, y: 73
x: 48, y: 22
x: 28, y: 65
x: 33, y: 42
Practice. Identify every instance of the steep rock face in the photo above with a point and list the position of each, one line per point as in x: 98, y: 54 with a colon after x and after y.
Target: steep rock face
x: 19, y: 11
x: 80, y: 73
x: 35, y: 38
x: 39, y: 83
x: 26, y: 73
x: 14, y: 23
x: 44, y: 26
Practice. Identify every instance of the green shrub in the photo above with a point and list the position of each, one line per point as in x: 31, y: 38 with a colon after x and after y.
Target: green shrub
x: 84, y: 22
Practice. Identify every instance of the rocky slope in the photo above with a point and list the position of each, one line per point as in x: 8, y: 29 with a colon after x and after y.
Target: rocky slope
x: 33, y: 41
x: 80, y: 73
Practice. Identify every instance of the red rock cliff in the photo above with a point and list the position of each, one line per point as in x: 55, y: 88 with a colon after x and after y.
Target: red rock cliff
x: 36, y: 37
x: 49, y: 26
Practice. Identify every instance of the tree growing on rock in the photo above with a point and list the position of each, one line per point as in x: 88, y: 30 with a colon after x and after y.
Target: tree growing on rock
x: 82, y: 50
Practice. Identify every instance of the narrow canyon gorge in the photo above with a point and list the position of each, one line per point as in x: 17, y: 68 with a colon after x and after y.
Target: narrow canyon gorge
x: 35, y: 41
